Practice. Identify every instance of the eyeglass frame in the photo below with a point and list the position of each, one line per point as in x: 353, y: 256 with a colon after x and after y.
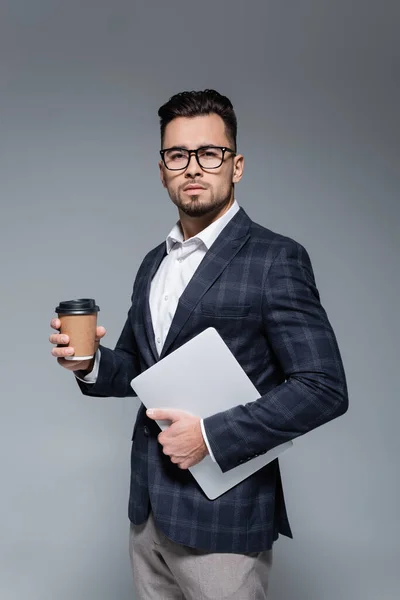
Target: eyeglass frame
x: 195, y: 152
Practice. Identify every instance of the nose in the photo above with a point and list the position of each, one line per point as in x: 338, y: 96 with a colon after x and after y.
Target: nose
x: 193, y: 167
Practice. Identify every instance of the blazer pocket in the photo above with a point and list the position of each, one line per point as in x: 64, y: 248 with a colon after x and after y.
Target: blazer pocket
x: 225, y: 311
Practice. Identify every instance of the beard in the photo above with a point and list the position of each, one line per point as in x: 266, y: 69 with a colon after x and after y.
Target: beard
x: 197, y: 206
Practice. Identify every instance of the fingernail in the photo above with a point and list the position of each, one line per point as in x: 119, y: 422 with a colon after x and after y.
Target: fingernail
x: 149, y: 412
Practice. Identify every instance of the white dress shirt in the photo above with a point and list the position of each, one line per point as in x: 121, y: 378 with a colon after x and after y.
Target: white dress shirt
x: 171, y: 279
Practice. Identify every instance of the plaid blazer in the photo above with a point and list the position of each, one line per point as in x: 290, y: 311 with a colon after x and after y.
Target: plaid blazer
x: 257, y: 289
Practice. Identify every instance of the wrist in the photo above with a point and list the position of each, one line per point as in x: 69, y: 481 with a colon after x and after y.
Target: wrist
x: 86, y: 366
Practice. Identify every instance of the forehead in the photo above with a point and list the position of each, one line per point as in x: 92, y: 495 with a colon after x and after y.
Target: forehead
x: 192, y: 132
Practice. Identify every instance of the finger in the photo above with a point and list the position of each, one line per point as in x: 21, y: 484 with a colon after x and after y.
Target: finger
x: 100, y: 332
x: 61, y: 352
x: 57, y: 338
x: 55, y: 323
x: 164, y: 414
x: 68, y: 364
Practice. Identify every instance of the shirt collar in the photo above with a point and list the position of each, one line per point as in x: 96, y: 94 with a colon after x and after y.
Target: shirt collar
x: 208, y: 235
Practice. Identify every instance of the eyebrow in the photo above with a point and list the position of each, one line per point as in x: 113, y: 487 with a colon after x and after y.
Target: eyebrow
x: 183, y: 147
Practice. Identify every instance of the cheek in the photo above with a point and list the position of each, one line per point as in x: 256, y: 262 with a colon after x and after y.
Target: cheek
x: 170, y: 183
x: 225, y: 183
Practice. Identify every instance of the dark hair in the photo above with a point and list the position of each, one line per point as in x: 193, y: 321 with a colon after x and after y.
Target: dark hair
x: 195, y: 104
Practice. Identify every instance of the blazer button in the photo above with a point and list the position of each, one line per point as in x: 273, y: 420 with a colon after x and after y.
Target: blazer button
x: 146, y: 431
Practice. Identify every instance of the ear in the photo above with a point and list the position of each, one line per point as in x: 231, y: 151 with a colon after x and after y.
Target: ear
x: 238, y: 166
x: 162, y: 173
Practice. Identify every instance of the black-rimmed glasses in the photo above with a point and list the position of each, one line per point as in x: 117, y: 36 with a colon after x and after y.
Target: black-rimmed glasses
x: 208, y: 157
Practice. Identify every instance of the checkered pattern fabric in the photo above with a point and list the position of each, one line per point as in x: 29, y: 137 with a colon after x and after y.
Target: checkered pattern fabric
x: 257, y: 289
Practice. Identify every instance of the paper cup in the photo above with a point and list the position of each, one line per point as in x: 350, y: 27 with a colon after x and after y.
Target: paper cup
x: 79, y: 321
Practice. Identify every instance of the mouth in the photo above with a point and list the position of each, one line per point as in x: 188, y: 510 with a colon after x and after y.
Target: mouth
x: 193, y: 188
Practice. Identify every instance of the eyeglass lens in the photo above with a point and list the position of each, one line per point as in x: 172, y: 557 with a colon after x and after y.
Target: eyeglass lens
x: 209, y: 158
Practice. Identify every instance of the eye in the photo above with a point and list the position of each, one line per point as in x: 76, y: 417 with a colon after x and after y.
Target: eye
x: 176, y: 155
x: 210, y: 152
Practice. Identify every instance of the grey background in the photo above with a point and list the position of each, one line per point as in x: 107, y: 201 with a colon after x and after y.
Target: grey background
x: 316, y: 88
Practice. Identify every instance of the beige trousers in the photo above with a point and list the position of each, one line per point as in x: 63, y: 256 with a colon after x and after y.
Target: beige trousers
x: 165, y: 570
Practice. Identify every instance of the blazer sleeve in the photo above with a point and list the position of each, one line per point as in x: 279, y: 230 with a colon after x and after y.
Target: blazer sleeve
x: 314, y: 391
x: 117, y: 367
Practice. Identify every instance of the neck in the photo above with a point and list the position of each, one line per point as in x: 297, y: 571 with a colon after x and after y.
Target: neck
x: 191, y: 226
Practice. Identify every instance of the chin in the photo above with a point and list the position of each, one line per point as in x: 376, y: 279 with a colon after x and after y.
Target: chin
x: 197, y: 205
x: 194, y: 206
x: 195, y: 210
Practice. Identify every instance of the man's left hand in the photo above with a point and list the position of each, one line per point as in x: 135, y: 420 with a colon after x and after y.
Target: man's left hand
x: 183, y: 440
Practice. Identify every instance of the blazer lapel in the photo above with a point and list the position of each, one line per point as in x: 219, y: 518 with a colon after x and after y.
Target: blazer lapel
x: 160, y: 253
x: 225, y: 247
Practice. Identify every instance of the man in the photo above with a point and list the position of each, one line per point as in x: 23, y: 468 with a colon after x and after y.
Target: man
x: 217, y: 268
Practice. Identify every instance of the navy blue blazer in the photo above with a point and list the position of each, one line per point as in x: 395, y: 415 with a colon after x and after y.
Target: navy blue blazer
x: 257, y: 289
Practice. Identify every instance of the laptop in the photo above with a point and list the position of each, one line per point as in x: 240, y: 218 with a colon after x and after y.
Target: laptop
x: 205, y: 366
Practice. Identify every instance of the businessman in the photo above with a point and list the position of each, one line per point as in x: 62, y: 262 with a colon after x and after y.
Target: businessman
x: 216, y: 268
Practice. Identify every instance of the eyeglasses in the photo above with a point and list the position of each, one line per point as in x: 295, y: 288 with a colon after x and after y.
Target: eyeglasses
x: 208, y: 157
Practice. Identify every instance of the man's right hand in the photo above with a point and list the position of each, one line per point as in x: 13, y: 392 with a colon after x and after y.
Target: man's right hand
x: 62, y: 349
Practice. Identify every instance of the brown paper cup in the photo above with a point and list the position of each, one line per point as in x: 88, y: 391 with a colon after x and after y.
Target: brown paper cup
x: 81, y: 330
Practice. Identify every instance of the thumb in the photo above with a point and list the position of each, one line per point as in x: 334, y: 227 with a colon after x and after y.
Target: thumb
x: 164, y: 414
x: 100, y: 332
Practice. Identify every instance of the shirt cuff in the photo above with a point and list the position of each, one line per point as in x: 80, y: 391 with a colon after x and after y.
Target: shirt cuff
x: 92, y: 376
x: 203, y: 431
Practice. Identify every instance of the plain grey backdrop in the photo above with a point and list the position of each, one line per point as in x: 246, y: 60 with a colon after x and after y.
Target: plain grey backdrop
x: 315, y: 85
